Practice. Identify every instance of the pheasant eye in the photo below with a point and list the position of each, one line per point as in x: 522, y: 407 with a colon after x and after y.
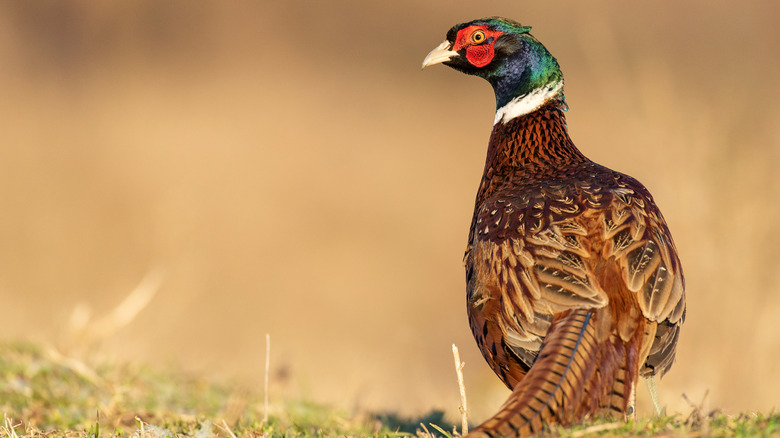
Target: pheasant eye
x: 478, y: 37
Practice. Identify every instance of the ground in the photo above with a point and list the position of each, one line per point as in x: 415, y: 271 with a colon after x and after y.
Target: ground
x: 44, y: 393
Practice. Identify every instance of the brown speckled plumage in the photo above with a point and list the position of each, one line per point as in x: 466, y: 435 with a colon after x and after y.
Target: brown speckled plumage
x: 557, y: 238
x: 574, y: 286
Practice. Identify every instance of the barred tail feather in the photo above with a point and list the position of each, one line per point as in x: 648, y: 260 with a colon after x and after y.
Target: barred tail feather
x: 575, y: 374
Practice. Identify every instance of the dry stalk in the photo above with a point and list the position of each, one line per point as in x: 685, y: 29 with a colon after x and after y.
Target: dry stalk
x: 652, y: 387
x: 596, y: 428
x: 83, y: 334
x: 464, y: 416
x: 425, y: 434
x: 226, y: 428
x: 8, y: 427
x: 267, y: 371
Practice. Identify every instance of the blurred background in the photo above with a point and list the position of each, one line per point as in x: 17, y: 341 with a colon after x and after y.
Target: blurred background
x: 286, y: 168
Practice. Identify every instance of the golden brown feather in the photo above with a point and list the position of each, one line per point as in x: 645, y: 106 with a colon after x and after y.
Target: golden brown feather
x: 570, y: 269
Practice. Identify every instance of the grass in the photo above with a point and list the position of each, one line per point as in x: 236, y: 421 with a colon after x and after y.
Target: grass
x: 44, y: 394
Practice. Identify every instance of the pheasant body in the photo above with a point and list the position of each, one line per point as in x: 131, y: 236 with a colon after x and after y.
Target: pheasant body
x: 574, y: 287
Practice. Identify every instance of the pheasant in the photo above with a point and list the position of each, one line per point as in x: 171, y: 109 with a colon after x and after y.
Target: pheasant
x: 574, y: 285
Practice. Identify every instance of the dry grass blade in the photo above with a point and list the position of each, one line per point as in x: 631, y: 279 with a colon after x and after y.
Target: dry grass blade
x: 73, y: 364
x: 83, y: 334
x: 267, y: 371
x: 596, y: 428
x: 652, y: 388
x: 463, y: 403
x: 8, y: 427
x: 425, y: 433
x: 226, y: 428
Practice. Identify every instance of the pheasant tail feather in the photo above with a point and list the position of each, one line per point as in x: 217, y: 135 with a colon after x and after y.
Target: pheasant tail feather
x: 575, y: 374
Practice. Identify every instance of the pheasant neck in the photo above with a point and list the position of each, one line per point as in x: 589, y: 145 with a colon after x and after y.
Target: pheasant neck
x: 536, y: 144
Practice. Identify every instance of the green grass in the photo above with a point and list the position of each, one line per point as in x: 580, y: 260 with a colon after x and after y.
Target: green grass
x: 43, y: 393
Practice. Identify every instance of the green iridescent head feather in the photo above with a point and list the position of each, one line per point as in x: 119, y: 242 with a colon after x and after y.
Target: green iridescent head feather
x: 504, y: 25
x: 521, y: 64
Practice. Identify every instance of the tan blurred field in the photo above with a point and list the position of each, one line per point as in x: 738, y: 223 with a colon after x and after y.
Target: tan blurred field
x: 289, y: 170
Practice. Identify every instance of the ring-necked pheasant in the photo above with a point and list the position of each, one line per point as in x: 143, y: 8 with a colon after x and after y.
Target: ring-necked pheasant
x: 574, y: 284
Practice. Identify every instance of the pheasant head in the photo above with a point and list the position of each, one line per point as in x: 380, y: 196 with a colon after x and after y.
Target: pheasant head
x: 524, y: 75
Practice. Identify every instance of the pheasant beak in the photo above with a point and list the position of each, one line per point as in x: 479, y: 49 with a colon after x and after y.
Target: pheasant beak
x: 441, y: 53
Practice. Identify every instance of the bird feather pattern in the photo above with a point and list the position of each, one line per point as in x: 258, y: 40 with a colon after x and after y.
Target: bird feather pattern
x: 574, y: 286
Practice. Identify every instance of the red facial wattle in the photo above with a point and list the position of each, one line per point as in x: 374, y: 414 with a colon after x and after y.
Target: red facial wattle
x: 479, y: 54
